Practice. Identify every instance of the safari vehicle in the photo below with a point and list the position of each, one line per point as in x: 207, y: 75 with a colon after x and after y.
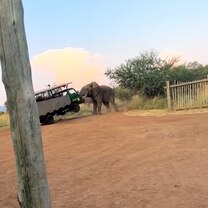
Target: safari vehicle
x: 56, y: 100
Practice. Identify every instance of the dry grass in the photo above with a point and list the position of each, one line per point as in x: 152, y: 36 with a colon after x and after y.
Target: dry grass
x: 163, y: 112
x: 85, y: 110
x: 139, y: 102
x: 4, y: 120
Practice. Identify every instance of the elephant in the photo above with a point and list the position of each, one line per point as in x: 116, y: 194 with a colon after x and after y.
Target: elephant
x: 99, y: 94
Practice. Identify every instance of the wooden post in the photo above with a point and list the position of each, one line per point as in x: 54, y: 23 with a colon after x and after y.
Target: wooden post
x: 32, y: 185
x: 168, y: 94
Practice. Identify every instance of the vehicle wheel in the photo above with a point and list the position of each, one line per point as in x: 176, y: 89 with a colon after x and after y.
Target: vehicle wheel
x: 76, y: 108
x: 42, y: 119
x: 49, y: 119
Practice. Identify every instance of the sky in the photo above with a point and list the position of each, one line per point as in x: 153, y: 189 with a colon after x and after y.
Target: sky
x: 77, y: 40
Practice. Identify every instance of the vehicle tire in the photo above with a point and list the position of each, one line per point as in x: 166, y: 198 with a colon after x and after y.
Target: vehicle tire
x: 49, y: 119
x: 42, y: 119
x: 76, y: 108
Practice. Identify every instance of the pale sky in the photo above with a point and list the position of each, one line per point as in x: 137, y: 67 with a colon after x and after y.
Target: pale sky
x: 76, y: 40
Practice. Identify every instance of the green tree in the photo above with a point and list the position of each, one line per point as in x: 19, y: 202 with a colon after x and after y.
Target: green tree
x: 144, y: 74
x: 188, y: 72
x: 147, y: 73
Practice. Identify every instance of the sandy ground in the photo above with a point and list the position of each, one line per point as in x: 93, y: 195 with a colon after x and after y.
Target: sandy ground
x: 120, y: 161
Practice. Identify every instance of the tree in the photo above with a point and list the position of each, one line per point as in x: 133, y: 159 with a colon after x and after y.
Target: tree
x: 188, y: 72
x: 145, y: 74
x: 32, y: 185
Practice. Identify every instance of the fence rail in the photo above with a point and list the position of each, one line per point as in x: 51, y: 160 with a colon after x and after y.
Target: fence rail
x: 187, y: 95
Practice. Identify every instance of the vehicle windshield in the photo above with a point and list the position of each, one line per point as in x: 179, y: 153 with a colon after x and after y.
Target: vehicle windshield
x: 71, y: 91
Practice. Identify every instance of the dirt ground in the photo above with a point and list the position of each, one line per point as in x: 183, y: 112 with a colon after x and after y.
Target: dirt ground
x: 119, y: 161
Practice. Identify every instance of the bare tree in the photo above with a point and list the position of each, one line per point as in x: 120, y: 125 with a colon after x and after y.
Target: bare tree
x: 32, y: 182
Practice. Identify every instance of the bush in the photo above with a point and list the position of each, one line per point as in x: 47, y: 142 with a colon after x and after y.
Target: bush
x: 123, y: 94
x: 145, y: 74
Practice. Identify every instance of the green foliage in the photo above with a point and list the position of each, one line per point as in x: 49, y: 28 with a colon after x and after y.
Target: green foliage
x: 144, y: 74
x: 189, y: 72
x: 147, y: 73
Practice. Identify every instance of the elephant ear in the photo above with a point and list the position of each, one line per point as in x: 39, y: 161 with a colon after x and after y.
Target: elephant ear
x: 95, y: 88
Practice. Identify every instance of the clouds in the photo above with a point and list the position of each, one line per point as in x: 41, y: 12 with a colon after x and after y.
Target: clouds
x: 70, y: 64
x: 74, y: 65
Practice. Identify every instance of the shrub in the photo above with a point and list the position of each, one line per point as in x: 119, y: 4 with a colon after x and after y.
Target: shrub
x: 145, y: 74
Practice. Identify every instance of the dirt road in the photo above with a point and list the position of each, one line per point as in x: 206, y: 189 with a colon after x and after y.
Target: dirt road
x: 119, y: 161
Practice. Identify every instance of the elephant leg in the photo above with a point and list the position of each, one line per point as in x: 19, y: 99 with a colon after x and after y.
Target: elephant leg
x: 112, y: 100
x: 94, y: 107
x: 99, y: 105
x: 107, y: 106
x: 115, y: 107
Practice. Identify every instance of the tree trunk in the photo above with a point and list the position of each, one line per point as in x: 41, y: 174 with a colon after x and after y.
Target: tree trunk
x: 32, y: 182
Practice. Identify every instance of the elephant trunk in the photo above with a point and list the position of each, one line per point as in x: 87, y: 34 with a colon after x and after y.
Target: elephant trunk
x: 82, y: 95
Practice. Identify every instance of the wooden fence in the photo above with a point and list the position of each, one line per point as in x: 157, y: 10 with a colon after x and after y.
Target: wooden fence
x: 187, y: 95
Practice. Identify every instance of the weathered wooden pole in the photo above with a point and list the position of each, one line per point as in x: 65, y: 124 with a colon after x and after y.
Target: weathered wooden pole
x: 168, y: 94
x: 32, y: 185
